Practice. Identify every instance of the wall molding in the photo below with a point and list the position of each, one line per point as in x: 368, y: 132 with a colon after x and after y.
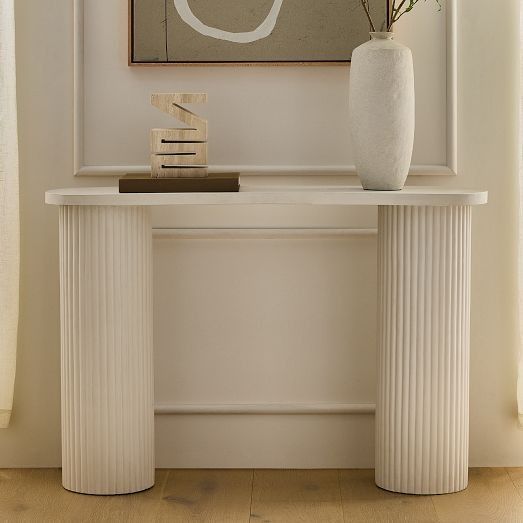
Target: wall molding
x: 244, y: 170
x: 260, y: 233
x: 264, y: 408
x: 119, y: 170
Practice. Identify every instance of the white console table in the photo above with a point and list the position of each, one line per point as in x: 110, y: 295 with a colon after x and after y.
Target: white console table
x: 424, y: 260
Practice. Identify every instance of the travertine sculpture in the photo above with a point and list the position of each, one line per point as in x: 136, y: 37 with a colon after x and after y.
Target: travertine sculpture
x: 180, y: 152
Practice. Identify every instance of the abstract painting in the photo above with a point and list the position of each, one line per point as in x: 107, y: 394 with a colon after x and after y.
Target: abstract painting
x: 247, y: 31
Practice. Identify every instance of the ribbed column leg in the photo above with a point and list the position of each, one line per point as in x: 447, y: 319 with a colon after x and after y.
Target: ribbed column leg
x: 423, y: 354
x: 106, y: 331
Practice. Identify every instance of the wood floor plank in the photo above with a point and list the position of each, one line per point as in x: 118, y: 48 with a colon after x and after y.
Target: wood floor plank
x: 207, y: 496
x: 36, y: 495
x: 516, y: 475
x: 364, y: 502
x: 140, y: 507
x: 319, y: 496
x: 490, y: 497
x: 296, y: 496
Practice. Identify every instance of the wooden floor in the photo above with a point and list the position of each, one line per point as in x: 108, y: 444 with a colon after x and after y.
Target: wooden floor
x: 262, y: 496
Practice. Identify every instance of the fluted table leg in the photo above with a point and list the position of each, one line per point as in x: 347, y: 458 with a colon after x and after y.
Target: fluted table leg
x: 106, y: 331
x: 423, y: 353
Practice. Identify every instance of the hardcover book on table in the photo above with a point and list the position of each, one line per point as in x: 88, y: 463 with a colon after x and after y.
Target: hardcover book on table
x: 219, y: 182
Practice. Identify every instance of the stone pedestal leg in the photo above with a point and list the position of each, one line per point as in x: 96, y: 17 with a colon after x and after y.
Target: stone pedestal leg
x: 423, y: 355
x: 107, y: 366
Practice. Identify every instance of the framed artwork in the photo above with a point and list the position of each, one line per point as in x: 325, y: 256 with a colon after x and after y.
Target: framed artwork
x: 170, y: 32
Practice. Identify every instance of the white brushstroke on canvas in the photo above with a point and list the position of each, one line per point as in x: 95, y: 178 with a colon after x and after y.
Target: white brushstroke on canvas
x: 262, y: 31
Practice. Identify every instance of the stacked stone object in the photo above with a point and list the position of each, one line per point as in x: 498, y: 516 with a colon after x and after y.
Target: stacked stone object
x: 180, y: 152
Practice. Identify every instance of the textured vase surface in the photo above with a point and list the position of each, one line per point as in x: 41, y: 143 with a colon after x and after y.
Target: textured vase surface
x: 382, y: 112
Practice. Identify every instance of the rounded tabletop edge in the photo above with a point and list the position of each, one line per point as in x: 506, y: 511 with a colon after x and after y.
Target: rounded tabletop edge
x: 411, y: 196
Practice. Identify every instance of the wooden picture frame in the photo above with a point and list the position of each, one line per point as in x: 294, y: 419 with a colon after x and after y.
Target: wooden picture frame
x: 134, y: 62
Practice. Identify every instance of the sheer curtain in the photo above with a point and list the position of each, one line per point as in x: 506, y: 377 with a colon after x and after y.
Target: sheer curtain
x: 9, y: 212
x: 520, y: 373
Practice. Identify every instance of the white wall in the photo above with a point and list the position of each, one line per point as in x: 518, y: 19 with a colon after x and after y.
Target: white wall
x: 257, y: 115
x: 310, y: 339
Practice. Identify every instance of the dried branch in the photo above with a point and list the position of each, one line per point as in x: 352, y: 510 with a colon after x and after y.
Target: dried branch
x: 397, y: 13
x: 390, y: 13
x: 409, y: 8
x: 365, y: 4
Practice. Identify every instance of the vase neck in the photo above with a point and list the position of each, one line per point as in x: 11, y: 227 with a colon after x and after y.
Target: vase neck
x: 382, y: 35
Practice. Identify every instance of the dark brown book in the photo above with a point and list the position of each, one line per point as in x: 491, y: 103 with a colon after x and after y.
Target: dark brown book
x: 141, y: 183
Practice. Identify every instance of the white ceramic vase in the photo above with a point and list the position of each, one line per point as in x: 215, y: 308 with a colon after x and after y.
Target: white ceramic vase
x: 382, y: 112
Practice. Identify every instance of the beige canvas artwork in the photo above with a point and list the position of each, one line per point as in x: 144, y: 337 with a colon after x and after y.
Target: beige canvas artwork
x: 247, y: 31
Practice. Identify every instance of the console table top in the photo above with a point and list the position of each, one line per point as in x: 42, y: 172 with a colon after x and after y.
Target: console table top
x: 276, y: 195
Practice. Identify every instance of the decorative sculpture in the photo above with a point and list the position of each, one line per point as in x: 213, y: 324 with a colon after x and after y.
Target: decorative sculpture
x: 179, y: 152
